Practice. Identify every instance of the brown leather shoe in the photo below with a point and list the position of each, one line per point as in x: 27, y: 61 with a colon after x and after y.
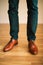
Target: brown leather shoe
x: 10, y: 45
x: 32, y: 48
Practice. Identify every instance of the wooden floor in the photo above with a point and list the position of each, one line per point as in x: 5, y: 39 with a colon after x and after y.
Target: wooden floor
x: 19, y: 55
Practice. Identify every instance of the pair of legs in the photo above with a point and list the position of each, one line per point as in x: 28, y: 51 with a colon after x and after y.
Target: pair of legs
x: 31, y: 22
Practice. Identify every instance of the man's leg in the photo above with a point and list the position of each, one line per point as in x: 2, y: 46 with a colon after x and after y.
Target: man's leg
x: 14, y: 24
x: 32, y: 21
x: 13, y: 17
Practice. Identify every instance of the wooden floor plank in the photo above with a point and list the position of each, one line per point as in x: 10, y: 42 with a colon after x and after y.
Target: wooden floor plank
x: 19, y: 55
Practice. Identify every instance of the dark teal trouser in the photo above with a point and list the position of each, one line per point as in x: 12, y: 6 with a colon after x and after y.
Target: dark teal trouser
x: 31, y: 22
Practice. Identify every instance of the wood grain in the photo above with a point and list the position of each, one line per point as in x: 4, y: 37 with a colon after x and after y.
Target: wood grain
x: 19, y: 55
